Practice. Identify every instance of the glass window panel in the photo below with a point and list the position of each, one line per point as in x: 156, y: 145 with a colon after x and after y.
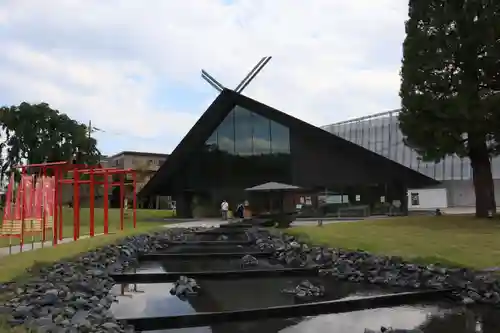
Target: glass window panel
x: 406, y: 156
x: 364, y: 134
x: 261, y: 135
x: 422, y: 168
x: 360, y: 132
x: 414, y: 160
x: 212, y: 140
x: 380, y: 135
x: 394, y: 138
x: 466, y: 169
x: 448, y: 163
x: 418, y: 164
x: 439, y: 170
x: 385, y: 136
x: 225, y: 134
x: 280, y: 138
x: 354, y: 128
x: 400, y: 152
x: 495, y: 167
x: 348, y: 131
x: 243, y: 131
x: 355, y: 132
x: 456, y: 168
x: 376, y: 135
x: 339, y: 130
x: 361, y: 125
x: 371, y: 136
x: 428, y: 169
x: 211, y: 143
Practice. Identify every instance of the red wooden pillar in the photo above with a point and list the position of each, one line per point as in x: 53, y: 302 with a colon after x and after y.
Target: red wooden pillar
x: 59, y: 206
x: 76, y: 208
x: 105, y: 204
x: 134, y: 198
x: 55, y: 207
x: 22, y: 198
x: 91, y: 203
x: 122, y: 198
x: 43, y: 174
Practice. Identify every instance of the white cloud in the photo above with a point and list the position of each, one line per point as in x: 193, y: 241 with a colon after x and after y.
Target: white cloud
x: 108, y: 60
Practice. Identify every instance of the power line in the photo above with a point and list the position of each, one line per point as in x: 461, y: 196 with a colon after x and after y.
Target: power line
x: 93, y: 129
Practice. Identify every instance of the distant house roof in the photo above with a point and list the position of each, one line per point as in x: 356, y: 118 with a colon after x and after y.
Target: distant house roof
x: 220, y: 108
x: 137, y: 153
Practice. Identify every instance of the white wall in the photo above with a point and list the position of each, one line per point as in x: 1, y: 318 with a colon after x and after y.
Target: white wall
x: 461, y: 192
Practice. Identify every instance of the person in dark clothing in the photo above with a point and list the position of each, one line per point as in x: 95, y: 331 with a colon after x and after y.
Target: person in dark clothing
x: 240, y: 210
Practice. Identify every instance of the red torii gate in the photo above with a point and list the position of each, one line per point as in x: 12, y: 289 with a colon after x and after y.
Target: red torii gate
x: 58, y: 170
x: 94, y: 171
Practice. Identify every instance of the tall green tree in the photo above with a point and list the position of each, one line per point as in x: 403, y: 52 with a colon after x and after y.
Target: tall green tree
x: 36, y: 133
x: 450, y: 83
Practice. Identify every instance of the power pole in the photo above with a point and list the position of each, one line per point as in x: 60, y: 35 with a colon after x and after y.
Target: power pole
x: 89, y: 137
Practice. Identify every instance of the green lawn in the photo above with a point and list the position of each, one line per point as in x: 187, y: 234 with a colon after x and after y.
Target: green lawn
x: 14, y: 266
x: 113, y: 218
x: 452, y: 240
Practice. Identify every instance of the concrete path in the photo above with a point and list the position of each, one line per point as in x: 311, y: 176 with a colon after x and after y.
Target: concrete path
x: 325, y: 222
x: 4, y: 251
x: 216, y: 223
x: 197, y: 223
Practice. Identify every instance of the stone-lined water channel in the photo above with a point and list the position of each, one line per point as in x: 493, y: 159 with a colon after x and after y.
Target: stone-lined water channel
x: 155, y: 300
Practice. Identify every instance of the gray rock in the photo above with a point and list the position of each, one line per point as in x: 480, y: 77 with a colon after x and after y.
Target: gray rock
x: 73, y: 296
x: 248, y: 261
x: 305, y: 290
x: 184, y: 287
x: 110, y: 326
x: 362, y: 267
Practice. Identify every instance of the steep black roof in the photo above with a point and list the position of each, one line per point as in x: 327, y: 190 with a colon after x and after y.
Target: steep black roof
x: 221, y: 107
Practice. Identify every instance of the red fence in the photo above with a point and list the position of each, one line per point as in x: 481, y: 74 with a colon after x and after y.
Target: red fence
x: 34, y: 205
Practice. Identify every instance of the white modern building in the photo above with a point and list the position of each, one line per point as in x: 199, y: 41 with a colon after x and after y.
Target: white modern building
x: 380, y: 133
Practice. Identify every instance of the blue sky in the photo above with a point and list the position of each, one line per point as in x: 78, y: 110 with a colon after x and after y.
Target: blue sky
x: 133, y: 67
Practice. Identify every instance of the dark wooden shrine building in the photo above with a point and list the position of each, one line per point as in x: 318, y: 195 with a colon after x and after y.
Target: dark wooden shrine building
x: 239, y: 143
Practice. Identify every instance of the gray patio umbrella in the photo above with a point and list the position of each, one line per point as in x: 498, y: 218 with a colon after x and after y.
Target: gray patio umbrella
x: 274, y: 187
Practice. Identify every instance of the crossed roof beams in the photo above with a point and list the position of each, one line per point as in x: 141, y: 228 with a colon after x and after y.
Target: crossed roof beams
x: 243, y: 84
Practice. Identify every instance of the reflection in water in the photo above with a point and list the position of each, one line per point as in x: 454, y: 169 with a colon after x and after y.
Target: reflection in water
x: 143, y: 300
x: 147, y: 300
x: 401, y: 317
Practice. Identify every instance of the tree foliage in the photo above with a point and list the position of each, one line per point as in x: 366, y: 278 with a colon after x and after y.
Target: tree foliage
x: 450, y: 75
x: 36, y: 133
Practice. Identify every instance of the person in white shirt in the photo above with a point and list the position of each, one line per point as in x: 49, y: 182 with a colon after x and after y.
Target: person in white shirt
x: 224, y: 207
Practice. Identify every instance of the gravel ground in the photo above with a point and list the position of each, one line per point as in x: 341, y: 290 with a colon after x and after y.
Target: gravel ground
x: 73, y: 295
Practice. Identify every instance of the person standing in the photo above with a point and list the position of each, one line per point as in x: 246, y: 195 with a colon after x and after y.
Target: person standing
x: 224, y: 207
x: 240, y: 210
